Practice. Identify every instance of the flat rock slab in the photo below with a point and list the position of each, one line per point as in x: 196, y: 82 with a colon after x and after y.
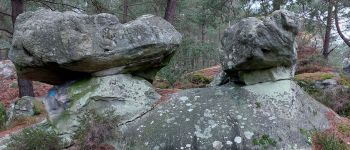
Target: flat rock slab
x: 55, y: 47
x: 272, y: 115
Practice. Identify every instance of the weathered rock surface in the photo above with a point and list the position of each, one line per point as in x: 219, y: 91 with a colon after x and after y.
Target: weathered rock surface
x: 21, y: 108
x: 7, y: 69
x: 259, y: 45
x: 346, y: 66
x: 128, y: 96
x: 55, y: 47
x: 229, y: 117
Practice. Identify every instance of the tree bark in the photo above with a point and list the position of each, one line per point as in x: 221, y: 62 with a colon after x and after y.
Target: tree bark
x: 342, y: 36
x: 25, y: 86
x: 203, y: 33
x: 125, y: 11
x: 276, y: 4
x: 327, y: 35
x: 170, y: 11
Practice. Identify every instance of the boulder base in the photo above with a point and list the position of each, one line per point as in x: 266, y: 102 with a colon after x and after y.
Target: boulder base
x: 229, y: 117
x: 128, y: 96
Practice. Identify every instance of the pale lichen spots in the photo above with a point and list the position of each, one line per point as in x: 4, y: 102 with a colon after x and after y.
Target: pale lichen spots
x: 242, y: 127
x: 202, y: 134
x: 196, y: 97
x: 244, y: 118
x: 187, y: 119
x: 218, y: 93
x: 170, y: 120
x: 239, y: 117
x: 212, y: 124
x: 217, y: 145
x: 207, y: 113
x: 229, y: 143
x: 190, y: 110
x: 272, y: 118
x: 183, y: 99
x: 152, y: 122
x: 248, y: 134
x: 188, y: 104
x: 238, y: 139
x: 188, y: 145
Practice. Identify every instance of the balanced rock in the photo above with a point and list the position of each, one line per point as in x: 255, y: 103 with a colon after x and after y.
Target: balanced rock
x: 55, y: 47
x: 258, y: 50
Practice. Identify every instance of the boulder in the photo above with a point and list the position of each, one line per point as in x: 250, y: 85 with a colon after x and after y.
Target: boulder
x: 7, y: 69
x: 256, y: 50
x: 346, y: 66
x: 55, y: 47
x: 21, y: 108
x: 271, y: 115
x: 128, y: 96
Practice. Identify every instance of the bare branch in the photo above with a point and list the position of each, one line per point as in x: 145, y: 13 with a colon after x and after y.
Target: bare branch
x: 332, y: 49
x: 44, y: 1
x: 5, y: 14
x: 7, y: 31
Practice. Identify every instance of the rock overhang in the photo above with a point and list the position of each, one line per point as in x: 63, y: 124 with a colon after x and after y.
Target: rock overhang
x: 49, y: 44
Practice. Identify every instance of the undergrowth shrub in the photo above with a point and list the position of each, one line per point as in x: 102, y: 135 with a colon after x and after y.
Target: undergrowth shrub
x: 2, y: 117
x: 95, y: 129
x: 199, y: 79
x: 35, y: 139
x: 329, y: 142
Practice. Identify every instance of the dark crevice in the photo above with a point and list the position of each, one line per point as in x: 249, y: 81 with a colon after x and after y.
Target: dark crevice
x: 27, y: 52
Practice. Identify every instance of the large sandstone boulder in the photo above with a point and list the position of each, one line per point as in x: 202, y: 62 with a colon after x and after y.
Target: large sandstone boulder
x: 56, y: 47
x: 257, y: 50
x: 271, y: 115
x: 128, y: 96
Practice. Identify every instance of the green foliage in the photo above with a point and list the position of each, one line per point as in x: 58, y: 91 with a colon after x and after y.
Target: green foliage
x: 257, y: 105
x: 199, y: 79
x: 3, y: 117
x: 264, y: 141
x: 344, y: 81
x: 328, y: 142
x: 95, y: 129
x: 326, y: 76
x: 35, y: 139
x: 343, y: 128
x: 307, y: 134
x: 190, y: 56
x: 36, y: 108
x: 345, y: 111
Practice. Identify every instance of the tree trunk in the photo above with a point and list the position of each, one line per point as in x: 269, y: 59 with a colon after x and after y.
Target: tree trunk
x: 327, y: 35
x: 342, y: 36
x: 170, y: 11
x: 203, y: 32
x: 25, y: 86
x: 125, y: 11
x: 276, y: 4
